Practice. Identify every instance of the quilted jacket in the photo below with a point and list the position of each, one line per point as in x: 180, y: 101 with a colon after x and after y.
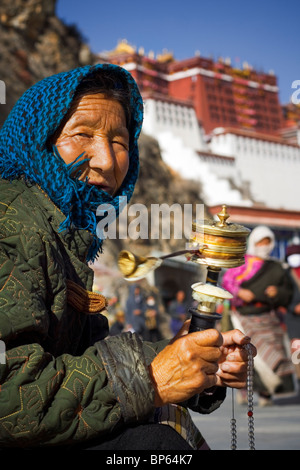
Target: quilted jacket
x: 62, y: 382
x: 55, y: 387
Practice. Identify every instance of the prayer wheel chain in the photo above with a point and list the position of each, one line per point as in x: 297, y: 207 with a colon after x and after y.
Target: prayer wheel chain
x: 250, y: 372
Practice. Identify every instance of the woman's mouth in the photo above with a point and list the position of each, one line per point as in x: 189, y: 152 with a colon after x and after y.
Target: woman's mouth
x: 102, y: 186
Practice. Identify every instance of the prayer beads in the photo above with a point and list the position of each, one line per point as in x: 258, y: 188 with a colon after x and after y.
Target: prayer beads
x: 250, y: 406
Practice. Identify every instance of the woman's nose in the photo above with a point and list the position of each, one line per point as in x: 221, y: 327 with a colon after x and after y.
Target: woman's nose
x: 102, y: 156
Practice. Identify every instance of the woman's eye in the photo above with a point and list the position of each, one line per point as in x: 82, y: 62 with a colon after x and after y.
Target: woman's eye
x: 119, y: 142
x: 82, y: 134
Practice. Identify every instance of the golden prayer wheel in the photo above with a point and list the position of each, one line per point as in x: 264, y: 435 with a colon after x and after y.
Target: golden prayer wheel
x: 221, y: 244
x: 216, y: 244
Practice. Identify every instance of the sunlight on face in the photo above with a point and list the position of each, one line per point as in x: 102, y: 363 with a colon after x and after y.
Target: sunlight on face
x: 97, y: 127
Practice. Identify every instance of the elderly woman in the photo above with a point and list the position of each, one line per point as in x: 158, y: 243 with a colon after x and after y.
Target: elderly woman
x: 259, y: 288
x: 70, y: 144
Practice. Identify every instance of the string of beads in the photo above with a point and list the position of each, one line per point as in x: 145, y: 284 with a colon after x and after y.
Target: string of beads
x: 250, y: 372
x: 250, y: 407
x: 233, y: 427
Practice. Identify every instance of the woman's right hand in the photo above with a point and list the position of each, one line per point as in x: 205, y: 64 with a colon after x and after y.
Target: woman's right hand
x: 297, y: 309
x: 246, y: 295
x: 187, y: 366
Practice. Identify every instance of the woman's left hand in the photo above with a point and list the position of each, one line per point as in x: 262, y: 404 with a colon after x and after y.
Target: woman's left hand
x: 271, y: 291
x: 233, y: 363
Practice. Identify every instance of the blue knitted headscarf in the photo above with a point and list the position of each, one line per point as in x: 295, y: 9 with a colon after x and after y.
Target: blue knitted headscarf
x: 25, y: 153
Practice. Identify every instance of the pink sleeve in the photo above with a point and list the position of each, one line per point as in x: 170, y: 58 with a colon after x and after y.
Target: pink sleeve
x: 230, y: 282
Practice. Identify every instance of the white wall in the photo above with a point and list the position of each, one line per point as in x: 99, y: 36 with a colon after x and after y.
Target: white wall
x: 161, y: 116
x: 273, y: 169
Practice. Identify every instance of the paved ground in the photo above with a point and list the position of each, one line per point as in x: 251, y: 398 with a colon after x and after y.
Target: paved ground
x: 277, y: 427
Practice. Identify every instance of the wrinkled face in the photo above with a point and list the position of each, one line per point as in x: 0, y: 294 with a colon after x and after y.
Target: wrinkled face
x: 97, y: 127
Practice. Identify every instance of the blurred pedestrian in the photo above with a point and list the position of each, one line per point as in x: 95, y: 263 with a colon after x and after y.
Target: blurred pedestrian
x: 113, y: 305
x: 135, y: 310
x: 259, y: 287
x: 152, y: 332
x: 178, y: 312
x: 118, y: 325
x: 293, y: 310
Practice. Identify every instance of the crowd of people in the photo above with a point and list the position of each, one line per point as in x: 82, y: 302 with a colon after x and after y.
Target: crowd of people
x: 141, y: 314
x: 145, y: 313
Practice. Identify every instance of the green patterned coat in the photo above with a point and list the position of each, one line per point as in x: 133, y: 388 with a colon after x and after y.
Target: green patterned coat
x: 56, y: 388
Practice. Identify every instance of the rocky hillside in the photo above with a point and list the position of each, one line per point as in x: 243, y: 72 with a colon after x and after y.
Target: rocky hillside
x: 34, y: 44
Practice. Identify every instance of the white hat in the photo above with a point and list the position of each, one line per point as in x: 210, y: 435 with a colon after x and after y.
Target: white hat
x: 259, y: 233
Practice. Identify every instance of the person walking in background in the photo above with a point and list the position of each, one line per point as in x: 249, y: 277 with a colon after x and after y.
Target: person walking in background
x: 135, y: 310
x: 152, y: 332
x: 178, y: 312
x: 259, y: 287
x: 118, y: 326
x: 293, y: 310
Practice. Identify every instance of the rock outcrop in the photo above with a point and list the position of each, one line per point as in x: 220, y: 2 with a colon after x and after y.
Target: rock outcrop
x: 34, y: 44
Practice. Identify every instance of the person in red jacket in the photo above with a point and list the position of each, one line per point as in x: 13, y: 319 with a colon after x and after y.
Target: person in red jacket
x: 260, y: 287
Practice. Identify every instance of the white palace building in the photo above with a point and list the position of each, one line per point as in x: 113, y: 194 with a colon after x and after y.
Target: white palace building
x: 225, y: 129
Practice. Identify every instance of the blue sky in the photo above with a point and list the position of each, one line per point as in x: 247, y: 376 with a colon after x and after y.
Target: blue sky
x: 264, y: 33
